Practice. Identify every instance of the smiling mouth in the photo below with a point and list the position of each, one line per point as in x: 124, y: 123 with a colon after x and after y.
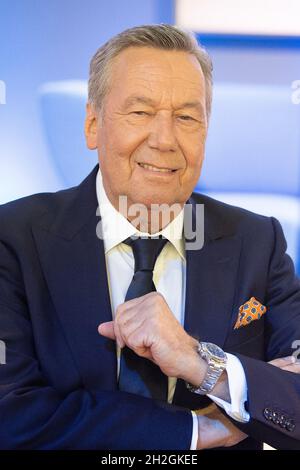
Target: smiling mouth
x: 156, y: 169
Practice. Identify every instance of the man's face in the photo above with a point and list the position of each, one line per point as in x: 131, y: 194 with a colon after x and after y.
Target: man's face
x: 151, y: 135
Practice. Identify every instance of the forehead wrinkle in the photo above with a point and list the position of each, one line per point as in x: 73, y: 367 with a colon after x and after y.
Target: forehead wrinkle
x: 159, y: 77
x: 140, y: 99
x: 154, y: 86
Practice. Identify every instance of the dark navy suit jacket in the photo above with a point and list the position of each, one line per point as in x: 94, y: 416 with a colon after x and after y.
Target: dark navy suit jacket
x: 58, y: 388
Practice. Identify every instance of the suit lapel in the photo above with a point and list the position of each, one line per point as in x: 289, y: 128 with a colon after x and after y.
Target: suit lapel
x: 73, y: 262
x: 211, y: 278
x: 210, y: 289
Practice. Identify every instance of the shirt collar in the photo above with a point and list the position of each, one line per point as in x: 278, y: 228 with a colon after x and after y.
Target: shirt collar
x: 116, y: 228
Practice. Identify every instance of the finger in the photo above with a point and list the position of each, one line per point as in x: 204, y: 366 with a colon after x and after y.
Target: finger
x: 138, y: 300
x: 283, y: 361
x: 136, y: 342
x: 131, y: 311
x: 107, y: 329
x: 119, y: 336
x: 132, y: 308
x: 110, y: 330
x: 127, y: 320
x: 134, y: 302
x: 295, y: 368
x: 125, y: 313
x: 130, y: 327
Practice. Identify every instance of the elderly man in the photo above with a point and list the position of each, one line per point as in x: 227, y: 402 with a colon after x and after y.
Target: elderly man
x: 119, y: 333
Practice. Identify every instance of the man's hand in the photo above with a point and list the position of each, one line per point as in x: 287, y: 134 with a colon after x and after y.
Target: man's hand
x: 148, y: 327
x: 289, y: 363
x: 215, y: 430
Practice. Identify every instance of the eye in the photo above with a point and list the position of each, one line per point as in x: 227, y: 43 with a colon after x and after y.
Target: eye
x: 185, y: 117
x: 140, y: 113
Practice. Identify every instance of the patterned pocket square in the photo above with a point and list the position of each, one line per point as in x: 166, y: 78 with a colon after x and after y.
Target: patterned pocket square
x: 249, y: 311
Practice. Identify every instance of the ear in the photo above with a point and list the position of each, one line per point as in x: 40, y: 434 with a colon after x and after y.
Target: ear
x: 90, y: 127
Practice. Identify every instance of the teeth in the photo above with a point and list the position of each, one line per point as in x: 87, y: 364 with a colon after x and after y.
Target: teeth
x: 153, y: 168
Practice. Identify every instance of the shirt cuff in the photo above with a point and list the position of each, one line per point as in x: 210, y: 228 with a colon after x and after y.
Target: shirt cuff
x: 237, y: 390
x: 195, y: 432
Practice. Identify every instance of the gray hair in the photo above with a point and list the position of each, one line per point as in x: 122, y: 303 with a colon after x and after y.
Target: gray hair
x: 161, y: 36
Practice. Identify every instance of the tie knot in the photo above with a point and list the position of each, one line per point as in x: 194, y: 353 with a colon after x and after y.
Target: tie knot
x: 145, y: 252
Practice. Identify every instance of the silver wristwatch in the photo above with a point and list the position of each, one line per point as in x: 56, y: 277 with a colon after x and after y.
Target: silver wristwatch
x: 216, y: 359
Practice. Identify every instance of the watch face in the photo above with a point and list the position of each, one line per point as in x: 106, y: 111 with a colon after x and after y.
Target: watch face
x: 215, y: 351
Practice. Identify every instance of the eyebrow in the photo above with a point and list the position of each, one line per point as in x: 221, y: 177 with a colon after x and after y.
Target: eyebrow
x: 132, y: 100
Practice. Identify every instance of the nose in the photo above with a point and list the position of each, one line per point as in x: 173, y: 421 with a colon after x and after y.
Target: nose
x: 162, y: 134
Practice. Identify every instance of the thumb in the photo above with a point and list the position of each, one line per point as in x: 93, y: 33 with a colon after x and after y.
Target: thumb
x: 107, y: 329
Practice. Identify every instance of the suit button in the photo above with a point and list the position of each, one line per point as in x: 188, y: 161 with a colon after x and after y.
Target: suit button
x: 290, y: 425
x: 275, y: 417
x: 268, y: 413
x: 282, y: 421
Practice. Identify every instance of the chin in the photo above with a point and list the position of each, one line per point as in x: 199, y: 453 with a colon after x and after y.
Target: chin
x: 153, y: 198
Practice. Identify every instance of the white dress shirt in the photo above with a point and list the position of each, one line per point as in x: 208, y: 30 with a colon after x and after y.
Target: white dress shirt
x: 169, y: 277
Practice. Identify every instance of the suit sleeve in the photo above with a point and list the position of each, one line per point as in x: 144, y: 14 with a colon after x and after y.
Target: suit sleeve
x: 273, y: 394
x: 34, y: 415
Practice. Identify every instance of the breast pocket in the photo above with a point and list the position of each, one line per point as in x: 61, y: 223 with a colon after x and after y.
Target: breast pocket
x: 247, y: 340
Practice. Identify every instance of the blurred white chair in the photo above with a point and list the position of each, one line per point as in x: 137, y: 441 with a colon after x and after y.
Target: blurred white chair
x: 285, y: 208
x: 63, y: 113
x: 253, y: 154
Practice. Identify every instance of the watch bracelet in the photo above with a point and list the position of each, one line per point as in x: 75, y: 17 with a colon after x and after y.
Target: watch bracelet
x: 213, y: 372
